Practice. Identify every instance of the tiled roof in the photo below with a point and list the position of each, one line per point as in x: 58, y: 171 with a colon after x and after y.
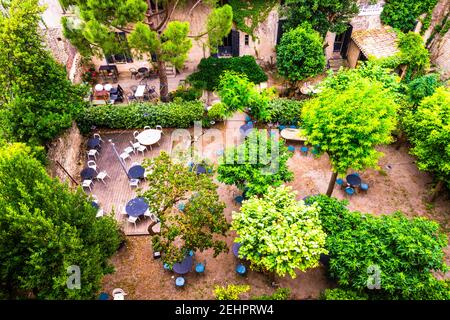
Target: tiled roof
x: 380, y: 42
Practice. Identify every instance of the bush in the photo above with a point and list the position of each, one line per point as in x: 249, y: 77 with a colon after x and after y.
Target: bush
x: 279, y: 294
x: 211, y: 69
x: 285, y: 111
x: 230, y: 292
x: 300, y: 53
x: 185, y: 94
x: 172, y: 114
x: 341, y: 294
x: 422, y: 87
x: 218, y: 112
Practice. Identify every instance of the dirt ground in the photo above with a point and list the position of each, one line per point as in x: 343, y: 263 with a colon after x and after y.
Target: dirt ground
x: 397, y: 185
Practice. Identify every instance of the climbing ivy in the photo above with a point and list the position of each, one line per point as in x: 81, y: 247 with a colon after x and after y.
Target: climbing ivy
x: 247, y: 15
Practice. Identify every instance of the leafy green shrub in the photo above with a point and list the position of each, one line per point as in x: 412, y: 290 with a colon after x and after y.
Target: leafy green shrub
x: 422, y: 87
x: 185, y: 94
x: 402, y: 14
x: 218, y: 112
x: 300, y: 53
x: 413, y: 54
x: 230, y: 292
x: 341, y: 294
x: 285, y: 111
x: 210, y: 70
x: 172, y: 114
x: 279, y: 294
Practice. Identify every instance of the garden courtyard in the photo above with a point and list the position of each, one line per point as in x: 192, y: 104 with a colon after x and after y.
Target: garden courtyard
x: 397, y: 185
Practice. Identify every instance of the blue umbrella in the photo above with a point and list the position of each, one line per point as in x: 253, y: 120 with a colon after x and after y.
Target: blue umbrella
x: 183, y: 266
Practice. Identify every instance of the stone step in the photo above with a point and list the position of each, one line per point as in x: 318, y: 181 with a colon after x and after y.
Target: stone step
x: 335, y: 64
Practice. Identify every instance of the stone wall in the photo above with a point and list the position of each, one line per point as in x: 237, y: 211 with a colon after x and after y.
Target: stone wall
x: 353, y: 54
x: 66, y: 149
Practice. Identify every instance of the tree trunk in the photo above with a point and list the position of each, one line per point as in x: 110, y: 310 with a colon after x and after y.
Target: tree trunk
x: 163, y: 82
x: 331, y: 184
x: 436, y: 190
x: 400, y: 140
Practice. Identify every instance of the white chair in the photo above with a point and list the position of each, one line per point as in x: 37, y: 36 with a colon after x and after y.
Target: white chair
x: 134, y: 182
x: 147, y: 128
x: 122, y: 210
x: 147, y: 172
x: 97, y: 136
x: 87, y: 184
x: 135, y: 134
x: 94, y: 198
x: 135, y: 145
x: 100, y: 213
x: 92, y: 164
x: 102, y: 176
x: 158, y: 127
x: 118, y: 294
x: 142, y: 149
x: 92, y: 153
x: 132, y: 220
x: 129, y: 150
x: 151, y: 215
x: 125, y: 156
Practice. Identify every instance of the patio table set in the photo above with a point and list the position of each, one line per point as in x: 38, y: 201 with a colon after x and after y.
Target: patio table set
x: 352, y: 184
x: 137, y: 208
x: 107, y: 94
x: 185, y: 266
x: 91, y: 172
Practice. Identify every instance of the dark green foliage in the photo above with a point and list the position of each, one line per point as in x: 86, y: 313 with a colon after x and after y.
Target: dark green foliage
x: 422, y: 87
x: 341, y: 294
x: 323, y: 15
x: 403, y: 14
x: 279, y: 294
x: 285, y: 111
x: 211, y: 69
x: 185, y: 94
x: 37, y: 101
x: 300, y: 53
x: 254, y: 165
x: 45, y: 228
x: 172, y: 114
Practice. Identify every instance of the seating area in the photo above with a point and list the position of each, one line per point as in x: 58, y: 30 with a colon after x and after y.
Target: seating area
x: 353, y: 184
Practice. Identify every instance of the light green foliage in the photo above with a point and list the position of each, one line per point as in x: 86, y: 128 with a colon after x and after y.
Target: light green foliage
x: 279, y: 234
x: 249, y: 14
x: 429, y: 131
x: 407, y: 251
x: 341, y: 294
x: 414, y: 54
x: 256, y: 164
x: 202, y: 220
x: 349, y: 122
x: 238, y: 93
x: 402, y: 14
x: 323, y: 15
x: 218, y: 112
x: 279, y: 294
x: 300, y: 53
x: 230, y: 292
x: 45, y: 228
x: 219, y: 24
x: 37, y: 101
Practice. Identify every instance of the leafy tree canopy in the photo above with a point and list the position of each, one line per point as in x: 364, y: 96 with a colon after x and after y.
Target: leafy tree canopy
x: 422, y: 87
x: 300, y: 53
x: 37, y: 100
x: 45, y: 228
x: 279, y: 234
x: 200, y: 223
x: 413, y: 54
x: 256, y: 164
x: 323, y: 15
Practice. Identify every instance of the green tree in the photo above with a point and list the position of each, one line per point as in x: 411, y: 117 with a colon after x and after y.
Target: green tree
x: 348, y: 124
x: 403, y: 14
x: 413, y: 55
x: 238, y: 93
x: 323, y: 15
x: 200, y: 223
x: 37, y: 101
x: 148, y: 28
x: 300, y: 53
x: 429, y: 130
x: 279, y: 234
x: 46, y: 228
x: 230, y: 292
x: 422, y: 87
x: 256, y: 164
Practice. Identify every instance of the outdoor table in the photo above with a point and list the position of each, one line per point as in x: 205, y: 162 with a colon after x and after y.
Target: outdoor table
x: 149, y: 137
x: 140, y: 91
x: 88, y: 173
x: 235, y: 249
x: 201, y: 169
x: 93, y: 143
x: 353, y: 180
x: 95, y: 205
x: 183, y: 266
x: 293, y: 134
x: 246, y: 128
x: 136, y: 207
x: 136, y: 172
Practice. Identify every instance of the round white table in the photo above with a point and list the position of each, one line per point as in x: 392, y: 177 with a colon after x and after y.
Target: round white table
x: 293, y: 134
x: 149, y: 137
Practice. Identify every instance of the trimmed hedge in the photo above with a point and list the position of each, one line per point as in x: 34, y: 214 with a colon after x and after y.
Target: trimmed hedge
x: 169, y: 115
x: 285, y: 111
x: 210, y: 70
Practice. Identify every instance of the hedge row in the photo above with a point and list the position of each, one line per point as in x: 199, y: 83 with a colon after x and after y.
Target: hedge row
x: 169, y: 115
x: 285, y: 111
x: 210, y: 69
